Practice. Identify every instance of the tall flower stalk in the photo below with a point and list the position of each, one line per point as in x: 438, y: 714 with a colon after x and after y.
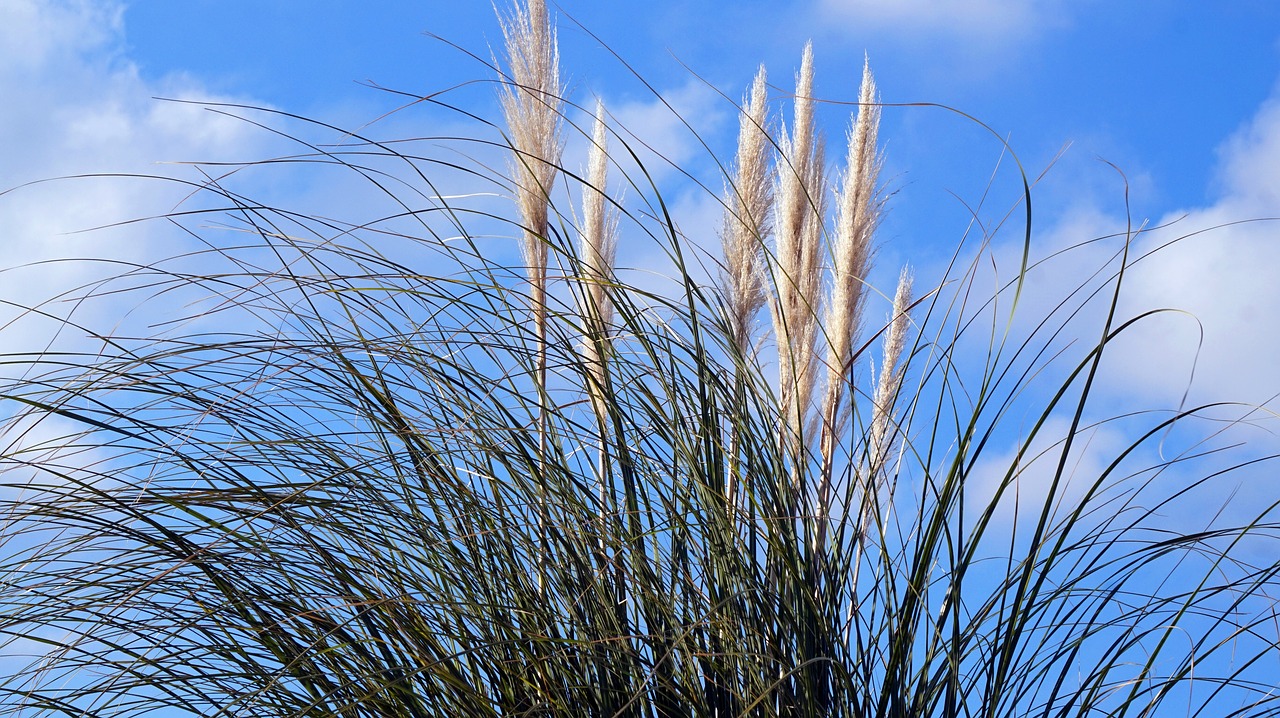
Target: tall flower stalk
x: 596, y: 254
x: 533, y: 105
x: 857, y: 214
x: 882, y: 432
x: 797, y: 267
x: 747, y: 225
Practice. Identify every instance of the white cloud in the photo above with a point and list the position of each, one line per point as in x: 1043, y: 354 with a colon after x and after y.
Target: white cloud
x: 1219, y: 264
x: 665, y: 134
x: 1251, y: 162
x: 1224, y: 281
x: 1214, y: 266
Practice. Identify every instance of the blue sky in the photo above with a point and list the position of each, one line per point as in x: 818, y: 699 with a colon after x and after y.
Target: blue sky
x: 1154, y: 86
x: 1184, y: 100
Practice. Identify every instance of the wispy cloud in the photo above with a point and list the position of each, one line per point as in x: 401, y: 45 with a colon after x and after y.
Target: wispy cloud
x: 666, y: 134
x: 1006, y: 22
x: 1206, y: 271
x: 1031, y: 479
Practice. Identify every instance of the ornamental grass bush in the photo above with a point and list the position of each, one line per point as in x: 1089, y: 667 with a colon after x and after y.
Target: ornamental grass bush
x: 377, y: 469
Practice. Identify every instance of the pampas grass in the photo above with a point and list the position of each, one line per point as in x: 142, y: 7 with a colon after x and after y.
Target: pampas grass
x: 391, y: 475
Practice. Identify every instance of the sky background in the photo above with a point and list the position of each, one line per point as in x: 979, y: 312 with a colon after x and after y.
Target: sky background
x: 1180, y: 98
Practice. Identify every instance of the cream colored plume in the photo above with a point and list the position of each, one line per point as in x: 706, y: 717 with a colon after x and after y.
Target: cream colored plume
x: 533, y: 108
x: 747, y: 224
x: 797, y: 269
x: 597, y: 249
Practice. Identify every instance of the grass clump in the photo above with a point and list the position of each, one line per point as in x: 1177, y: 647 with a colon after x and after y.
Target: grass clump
x: 388, y: 475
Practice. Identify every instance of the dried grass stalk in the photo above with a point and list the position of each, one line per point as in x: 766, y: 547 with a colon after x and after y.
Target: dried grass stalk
x: 895, y: 339
x: 883, y: 431
x: 857, y: 214
x: 597, y: 248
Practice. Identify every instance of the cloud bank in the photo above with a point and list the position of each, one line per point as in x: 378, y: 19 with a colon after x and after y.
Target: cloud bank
x: 76, y: 105
x: 1205, y: 276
